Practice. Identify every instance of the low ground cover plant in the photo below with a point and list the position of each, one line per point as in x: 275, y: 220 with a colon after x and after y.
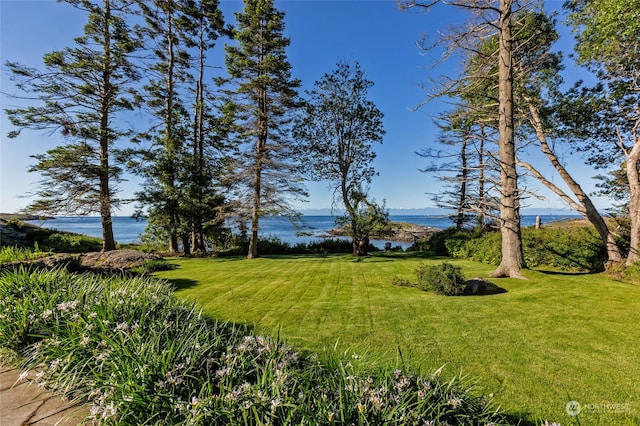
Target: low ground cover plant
x: 139, y: 356
x: 13, y: 254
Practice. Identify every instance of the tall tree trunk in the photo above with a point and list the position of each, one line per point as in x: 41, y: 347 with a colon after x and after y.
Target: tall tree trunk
x: 170, y: 140
x: 462, y: 201
x: 108, y: 241
x: 197, y: 239
x: 632, y: 163
x: 481, y: 195
x: 255, y: 213
x: 585, y: 206
x: 261, y: 146
x: 512, y: 255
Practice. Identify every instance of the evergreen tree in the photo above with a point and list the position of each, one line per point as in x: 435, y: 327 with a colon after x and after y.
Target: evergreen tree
x: 168, y: 34
x: 261, y: 103
x: 208, y: 131
x: 488, y: 18
x: 465, y: 168
x: 80, y: 92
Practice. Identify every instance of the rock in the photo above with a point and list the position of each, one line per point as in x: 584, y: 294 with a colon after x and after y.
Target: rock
x: 110, y: 261
x: 404, y: 232
x: 116, y: 259
x: 481, y: 287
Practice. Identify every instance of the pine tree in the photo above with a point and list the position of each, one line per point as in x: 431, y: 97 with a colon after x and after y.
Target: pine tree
x: 168, y: 34
x: 208, y: 131
x: 80, y: 92
x: 261, y: 102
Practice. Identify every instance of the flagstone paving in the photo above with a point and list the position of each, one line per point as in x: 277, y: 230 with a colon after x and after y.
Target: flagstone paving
x: 22, y: 402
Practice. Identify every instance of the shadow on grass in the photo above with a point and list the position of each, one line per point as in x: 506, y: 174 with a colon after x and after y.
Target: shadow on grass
x: 519, y: 419
x: 376, y: 255
x: 181, y: 283
x: 548, y: 272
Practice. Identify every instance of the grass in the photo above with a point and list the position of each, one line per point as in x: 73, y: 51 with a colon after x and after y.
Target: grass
x: 11, y: 253
x: 552, y: 338
x: 137, y: 355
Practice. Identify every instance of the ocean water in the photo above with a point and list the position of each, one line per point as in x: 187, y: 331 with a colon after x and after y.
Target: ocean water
x: 307, y: 229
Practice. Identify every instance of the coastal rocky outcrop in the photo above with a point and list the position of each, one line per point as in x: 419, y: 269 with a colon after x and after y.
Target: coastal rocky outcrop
x: 404, y: 232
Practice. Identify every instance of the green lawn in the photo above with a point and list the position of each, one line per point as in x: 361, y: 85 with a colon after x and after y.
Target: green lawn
x: 549, y: 339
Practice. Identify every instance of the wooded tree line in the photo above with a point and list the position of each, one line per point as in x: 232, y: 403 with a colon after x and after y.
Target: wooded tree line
x: 218, y: 145
x: 236, y: 145
x: 509, y: 100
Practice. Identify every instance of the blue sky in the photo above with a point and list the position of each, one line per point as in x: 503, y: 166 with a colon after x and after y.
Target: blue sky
x: 375, y: 33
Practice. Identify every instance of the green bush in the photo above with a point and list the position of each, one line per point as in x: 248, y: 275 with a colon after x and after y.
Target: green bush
x: 64, y: 242
x: 140, y: 356
x: 275, y: 246
x: 153, y: 265
x: 631, y: 273
x: 567, y: 248
x: 444, y: 279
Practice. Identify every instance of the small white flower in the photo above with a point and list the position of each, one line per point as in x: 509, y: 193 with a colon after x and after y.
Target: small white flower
x: 22, y: 376
x: 85, y: 341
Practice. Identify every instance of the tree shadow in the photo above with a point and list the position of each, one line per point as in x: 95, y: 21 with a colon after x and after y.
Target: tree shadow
x: 567, y: 273
x: 181, y: 283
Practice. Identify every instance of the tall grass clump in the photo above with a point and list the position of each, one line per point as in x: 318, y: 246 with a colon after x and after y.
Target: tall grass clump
x: 137, y: 355
x: 13, y: 253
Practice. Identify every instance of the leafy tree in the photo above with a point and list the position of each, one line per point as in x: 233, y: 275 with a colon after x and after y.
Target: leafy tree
x: 265, y: 172
x: 338, y: 130
x: 608, y: 43
x: 80, y: 92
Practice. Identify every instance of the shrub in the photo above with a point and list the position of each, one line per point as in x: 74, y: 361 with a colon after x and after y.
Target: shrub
x: 153, y: 265
x: 64, y: 242
x: 444, y: 279
x: 568, y: 248
x: 140, y: 356
x: 631, y: 273
x: 275, y: 246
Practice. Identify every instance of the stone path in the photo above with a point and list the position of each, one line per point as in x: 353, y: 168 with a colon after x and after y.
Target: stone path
x: 24, y: 403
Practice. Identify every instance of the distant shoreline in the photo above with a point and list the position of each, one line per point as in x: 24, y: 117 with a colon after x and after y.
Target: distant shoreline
x: 24, y: 216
